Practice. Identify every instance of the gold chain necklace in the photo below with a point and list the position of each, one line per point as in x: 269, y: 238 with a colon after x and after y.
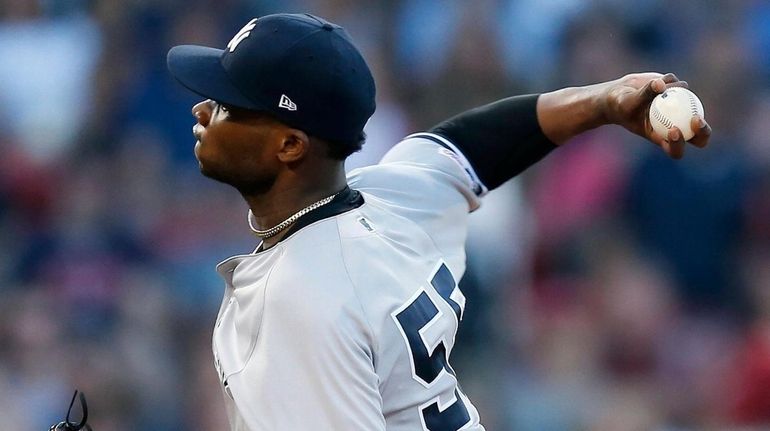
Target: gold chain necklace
x: 273, y: 231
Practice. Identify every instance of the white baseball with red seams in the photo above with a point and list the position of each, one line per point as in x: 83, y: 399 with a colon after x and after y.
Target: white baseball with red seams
x: 675, y: 107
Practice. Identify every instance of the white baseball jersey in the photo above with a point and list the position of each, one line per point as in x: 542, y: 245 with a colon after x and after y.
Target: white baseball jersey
x: 348, y: 323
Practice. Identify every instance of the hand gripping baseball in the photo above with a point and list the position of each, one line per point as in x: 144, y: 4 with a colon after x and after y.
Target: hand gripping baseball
x: 627, y: 103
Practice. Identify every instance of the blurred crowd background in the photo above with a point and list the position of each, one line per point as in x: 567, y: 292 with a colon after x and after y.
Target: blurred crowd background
x: 609, y: 287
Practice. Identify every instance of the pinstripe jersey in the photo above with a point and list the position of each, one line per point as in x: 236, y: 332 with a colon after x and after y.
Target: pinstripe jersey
x: 348, y: 322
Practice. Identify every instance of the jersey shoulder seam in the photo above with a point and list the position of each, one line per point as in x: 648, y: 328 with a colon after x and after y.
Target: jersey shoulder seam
x: 261, y: 317
x: 354, y: 287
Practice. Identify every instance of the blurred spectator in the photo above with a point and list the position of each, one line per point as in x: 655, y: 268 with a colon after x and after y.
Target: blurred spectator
x: 608, y: 289
x: 49, y: 65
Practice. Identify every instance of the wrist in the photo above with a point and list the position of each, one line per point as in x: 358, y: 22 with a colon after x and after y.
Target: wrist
x: 599, y: 100
x: 610, y: 98
x: 571, y: 111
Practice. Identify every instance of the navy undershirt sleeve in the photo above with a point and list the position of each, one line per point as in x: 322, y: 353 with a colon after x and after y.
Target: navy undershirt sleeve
x: 500, y: 140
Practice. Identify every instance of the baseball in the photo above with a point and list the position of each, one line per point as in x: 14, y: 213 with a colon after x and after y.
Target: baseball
x: 675, y: 107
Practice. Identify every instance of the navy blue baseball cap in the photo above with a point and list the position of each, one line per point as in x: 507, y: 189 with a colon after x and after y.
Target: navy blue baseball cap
x: 302, y: 69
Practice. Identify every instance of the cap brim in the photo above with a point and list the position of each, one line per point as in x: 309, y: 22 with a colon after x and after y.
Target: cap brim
x: 200, y: 70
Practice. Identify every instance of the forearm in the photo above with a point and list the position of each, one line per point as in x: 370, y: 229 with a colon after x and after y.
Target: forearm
x: 566, y: 113
x: 504, y: 138
x: 500, y: 139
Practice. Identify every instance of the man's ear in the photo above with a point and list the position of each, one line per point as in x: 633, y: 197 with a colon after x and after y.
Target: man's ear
x: 294, y: 147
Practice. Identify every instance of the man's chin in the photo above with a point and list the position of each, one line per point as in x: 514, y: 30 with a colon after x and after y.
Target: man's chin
x: 218, y: 176
x: 250, y: 186
x: 207, y: 171
x: 205, y: 168
x: 210, y: 173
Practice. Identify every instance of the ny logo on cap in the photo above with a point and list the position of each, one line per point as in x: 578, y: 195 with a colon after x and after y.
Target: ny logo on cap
x: 286, y: 103
x: 242, y: 34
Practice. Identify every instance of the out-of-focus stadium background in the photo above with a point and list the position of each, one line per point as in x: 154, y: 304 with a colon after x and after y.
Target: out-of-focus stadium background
x: 609, y: 287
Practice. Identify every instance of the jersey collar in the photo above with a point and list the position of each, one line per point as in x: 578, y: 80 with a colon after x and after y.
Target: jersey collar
x: 346, y: 200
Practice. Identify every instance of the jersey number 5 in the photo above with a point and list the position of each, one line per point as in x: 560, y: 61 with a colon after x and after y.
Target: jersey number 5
x: 429, y: 335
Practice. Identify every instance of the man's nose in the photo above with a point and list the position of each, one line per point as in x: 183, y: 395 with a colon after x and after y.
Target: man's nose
x: 202, y: 112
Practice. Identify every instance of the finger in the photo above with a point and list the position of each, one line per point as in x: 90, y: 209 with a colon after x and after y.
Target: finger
x: 702, y: 131
x: 676, y: 143
x: 681, y: 84
x: 652, y: 89
x: 666, y: 146
x: 669, y: 78
x: 659, y: 141
x: 672, y: 80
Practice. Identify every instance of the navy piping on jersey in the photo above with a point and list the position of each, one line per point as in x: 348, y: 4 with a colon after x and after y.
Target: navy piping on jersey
x: 346, y: 200
x: 478, y: 189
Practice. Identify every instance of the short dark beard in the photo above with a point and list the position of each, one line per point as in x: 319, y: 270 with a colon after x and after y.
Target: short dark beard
x: 246, y: 186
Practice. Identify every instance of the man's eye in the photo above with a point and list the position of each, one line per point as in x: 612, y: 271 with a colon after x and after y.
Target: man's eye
x: 221, y: 107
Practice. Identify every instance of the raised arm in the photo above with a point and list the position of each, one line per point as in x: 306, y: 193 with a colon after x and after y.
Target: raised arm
x: 505, y: 137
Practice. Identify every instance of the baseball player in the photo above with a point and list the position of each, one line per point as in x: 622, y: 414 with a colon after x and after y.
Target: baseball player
x: 345, y: 315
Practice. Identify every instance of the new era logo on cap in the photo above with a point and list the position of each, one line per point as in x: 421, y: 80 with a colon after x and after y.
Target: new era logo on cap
x: 286, y: 103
